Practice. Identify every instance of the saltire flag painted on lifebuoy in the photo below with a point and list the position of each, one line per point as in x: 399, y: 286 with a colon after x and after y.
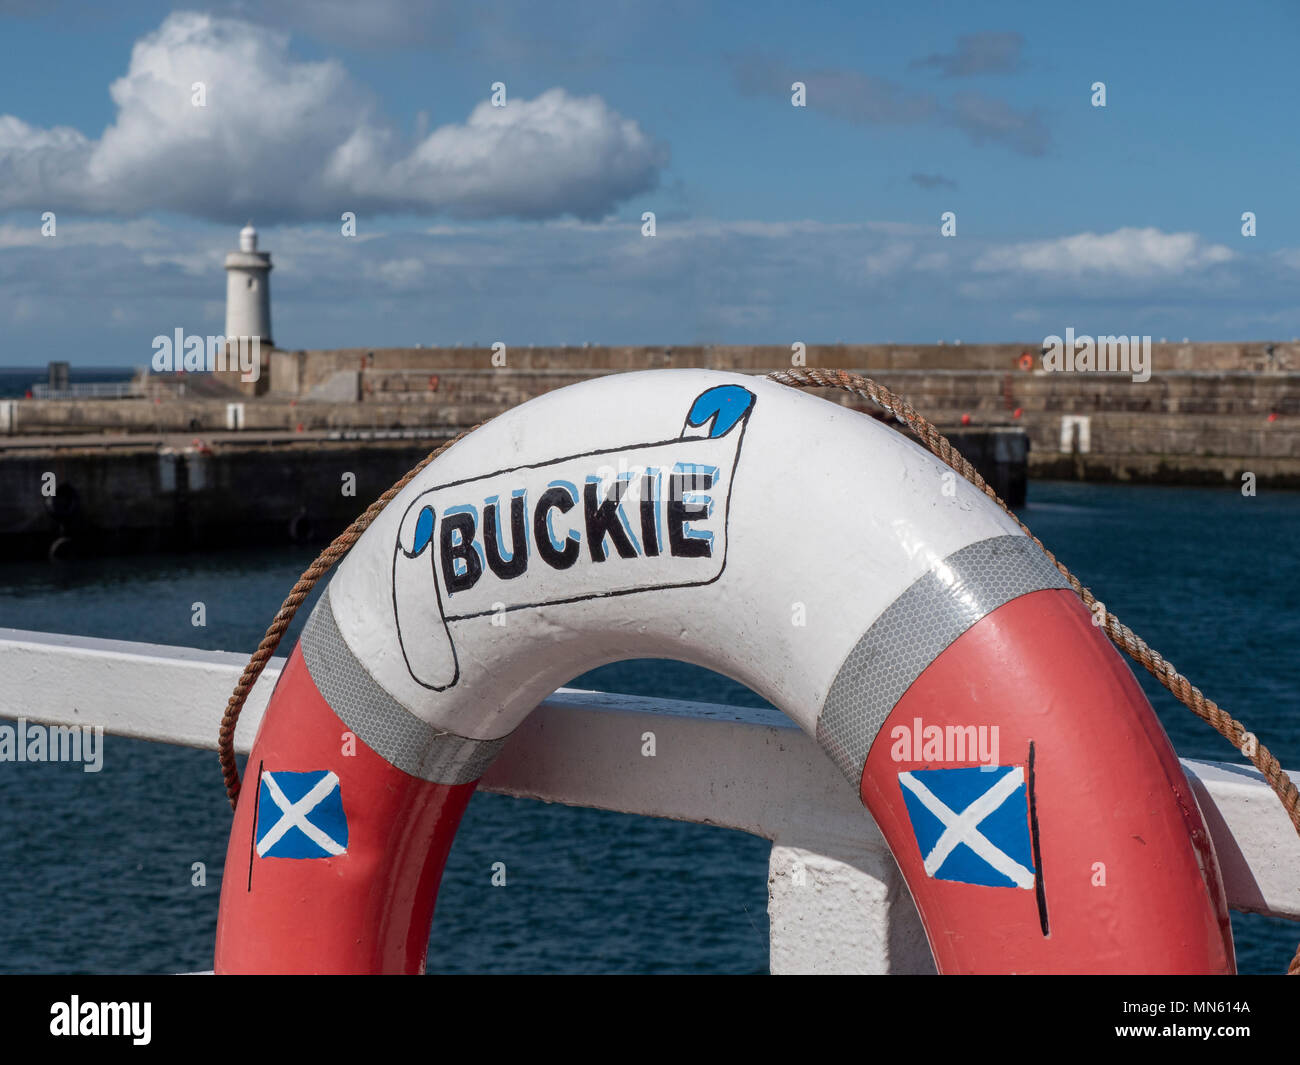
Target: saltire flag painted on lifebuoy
x: 972, y: 824
x: 300, y: 815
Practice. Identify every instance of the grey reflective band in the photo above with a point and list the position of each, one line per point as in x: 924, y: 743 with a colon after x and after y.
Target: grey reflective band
x: 914, y: 630
x: 380, y: 721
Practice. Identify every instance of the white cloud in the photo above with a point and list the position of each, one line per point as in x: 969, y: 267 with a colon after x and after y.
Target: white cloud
x: 137, y: 235
x: 1127, y: 252
x: 699, y: 280
x: 281, y: 138
x: 1288, y: 258
x: 530, y: 158
x: 398, y: 274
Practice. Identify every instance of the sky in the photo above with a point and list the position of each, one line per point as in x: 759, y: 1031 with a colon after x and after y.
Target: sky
x: 523, y: 223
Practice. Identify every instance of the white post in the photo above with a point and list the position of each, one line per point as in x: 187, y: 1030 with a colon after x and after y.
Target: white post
x: 1080, y: 423
x: 841, y: 909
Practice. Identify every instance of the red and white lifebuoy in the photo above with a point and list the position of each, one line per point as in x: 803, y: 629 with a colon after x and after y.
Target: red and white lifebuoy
x: 1034, y: 804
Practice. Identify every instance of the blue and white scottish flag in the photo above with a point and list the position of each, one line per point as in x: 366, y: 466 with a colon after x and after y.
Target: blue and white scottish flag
x: 300, y: 815
x: 971, y: 825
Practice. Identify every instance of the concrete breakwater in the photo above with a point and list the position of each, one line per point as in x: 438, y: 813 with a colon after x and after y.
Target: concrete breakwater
x: 299, y: 372
x: 199, y: 459
x: 170, y: 494
x: 1180, y: 427
x: 1208, y: 413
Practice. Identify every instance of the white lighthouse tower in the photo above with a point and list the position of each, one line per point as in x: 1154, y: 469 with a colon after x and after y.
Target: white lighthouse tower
x: 248, y: 290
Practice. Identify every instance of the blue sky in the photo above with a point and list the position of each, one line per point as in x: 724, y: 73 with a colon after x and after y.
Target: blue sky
x: 774, y: 223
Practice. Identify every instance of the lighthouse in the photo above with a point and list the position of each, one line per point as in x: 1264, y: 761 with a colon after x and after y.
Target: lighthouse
x: 248, y: 290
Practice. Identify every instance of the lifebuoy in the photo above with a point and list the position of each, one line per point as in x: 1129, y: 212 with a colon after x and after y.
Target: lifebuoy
x: 1034, y: 804
x: 1026, y: 361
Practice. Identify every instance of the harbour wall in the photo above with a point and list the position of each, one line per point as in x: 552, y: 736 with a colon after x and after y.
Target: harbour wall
x: 119, y: 497
x: 1181, y: 426
x: 90, y: 500
x: 200, y: 460
x: 299, y: 372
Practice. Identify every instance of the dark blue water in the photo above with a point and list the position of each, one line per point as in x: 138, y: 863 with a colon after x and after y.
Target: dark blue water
x: 15, y: 381
x: 96, y: 869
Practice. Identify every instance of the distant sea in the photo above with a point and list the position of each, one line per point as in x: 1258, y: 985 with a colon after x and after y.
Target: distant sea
x: 96, y: 868
x: 16, y: 380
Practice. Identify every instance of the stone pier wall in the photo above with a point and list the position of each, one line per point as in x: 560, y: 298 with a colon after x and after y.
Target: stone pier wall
x: 1208, y: 413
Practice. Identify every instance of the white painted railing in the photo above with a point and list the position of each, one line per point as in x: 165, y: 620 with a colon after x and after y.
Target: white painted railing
x: 836, y: 900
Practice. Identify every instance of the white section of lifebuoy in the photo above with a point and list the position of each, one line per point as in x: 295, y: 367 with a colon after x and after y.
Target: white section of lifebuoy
x: 883, y: 513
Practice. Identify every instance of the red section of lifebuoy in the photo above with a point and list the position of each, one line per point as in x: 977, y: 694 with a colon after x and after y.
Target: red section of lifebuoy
x: 1125, y: 879
x: 372, y: 911
x: 1124, y: 874
x: 1026, y: 361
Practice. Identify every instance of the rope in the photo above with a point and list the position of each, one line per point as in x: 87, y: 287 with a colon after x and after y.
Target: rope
x: 1125, y: 638
x: 324, y: 561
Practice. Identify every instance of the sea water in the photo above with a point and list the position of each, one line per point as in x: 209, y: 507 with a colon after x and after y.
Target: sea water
x: 120, y: 870
x: 16, y: 381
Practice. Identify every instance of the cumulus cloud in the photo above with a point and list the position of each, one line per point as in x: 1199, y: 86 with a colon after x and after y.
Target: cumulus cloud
x: 281, y: 138
x: 988, y: 52
x: 1125, y: 253
x: 865, y: 99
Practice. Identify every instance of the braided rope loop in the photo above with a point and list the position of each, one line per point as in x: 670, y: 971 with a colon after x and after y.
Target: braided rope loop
x: 324, y: 562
